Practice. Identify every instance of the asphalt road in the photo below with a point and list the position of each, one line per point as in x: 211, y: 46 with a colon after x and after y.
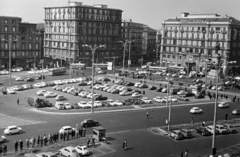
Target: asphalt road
x: 131, y: 125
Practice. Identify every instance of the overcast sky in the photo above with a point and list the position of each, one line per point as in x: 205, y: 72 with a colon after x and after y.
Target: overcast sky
x: 150, y: 12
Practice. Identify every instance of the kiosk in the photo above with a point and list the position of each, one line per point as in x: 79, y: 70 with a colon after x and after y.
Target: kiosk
x: 99, y: 133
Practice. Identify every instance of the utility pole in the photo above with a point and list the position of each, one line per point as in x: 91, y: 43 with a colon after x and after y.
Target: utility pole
x: 130, y: 37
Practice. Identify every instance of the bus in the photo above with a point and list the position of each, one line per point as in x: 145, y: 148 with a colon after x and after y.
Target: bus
x: 78, y: 66
x: 57, y: 71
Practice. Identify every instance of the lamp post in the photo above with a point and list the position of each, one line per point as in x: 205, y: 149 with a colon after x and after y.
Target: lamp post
x: 93, y: 49
x: 124, y: 49
x: 42, y: 68
x: 187, y: 64
x: 129, y: 56
x: 170, y: 107
x: 10, y: 41
x: 218, y: 65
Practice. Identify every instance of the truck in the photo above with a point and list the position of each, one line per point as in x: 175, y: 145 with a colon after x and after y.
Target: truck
x: 38, y: 102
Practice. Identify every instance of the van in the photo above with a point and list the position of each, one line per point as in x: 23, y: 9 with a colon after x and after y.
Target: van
x: 59, y: 105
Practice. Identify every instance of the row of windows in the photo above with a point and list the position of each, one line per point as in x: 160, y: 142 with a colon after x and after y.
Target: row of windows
x: 9, y: 29
x: 23, y: 38
x: 20, y: 54
x: 185, y: 28
x: 83, y: 24
x: 80, y: 10
x: 23, y: 46
x: 7, y: 21
x: 194, y: 35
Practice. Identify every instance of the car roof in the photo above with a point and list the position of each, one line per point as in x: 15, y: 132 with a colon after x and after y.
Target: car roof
x: 64, y: 127
x: 12, y: 126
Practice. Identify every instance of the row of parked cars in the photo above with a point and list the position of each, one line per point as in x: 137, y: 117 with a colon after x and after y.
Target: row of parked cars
x: 6, y: 72
x: 204, y: 131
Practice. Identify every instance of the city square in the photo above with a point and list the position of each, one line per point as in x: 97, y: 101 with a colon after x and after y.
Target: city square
x: 87, y: 80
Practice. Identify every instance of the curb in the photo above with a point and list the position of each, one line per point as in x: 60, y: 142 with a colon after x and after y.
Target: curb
x: 120, y: 110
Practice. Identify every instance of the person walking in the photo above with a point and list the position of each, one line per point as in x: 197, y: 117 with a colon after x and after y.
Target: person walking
x: 203, y: 123
x: 192, y: 121
x: 41, y: 141
x: 125, y: 144
x: 181, y: 154
x: 186, y: 153
x: 147, y: 115
x: 4, y: 149
x: 88, y: 141
x: 21, y: 145
x: 226, y: 116
x: 18, y: 101
x: 27, y: 143
x: 16, y: 146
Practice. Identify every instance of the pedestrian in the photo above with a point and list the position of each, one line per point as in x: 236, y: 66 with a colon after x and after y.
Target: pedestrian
x: 77, y: 133
x: 64, y: 136
x: 18, y: 101
x: 41, y: 141
x: 93, y: 141
x: 73, y: 134
x: 181, y: 155
x: 4, y: 149
x: 143, y: 92
x: 33, y: 142
x: 21, y: 145
x: 238, y: 99
x: 125, y: 144
x: 186, y: 153
x: 80, y: 132
x: 226, y: 116
x: 68, y: 135
x: 16, y: 146
x: 83, y: 132
x: 57, y: 136
x: 221, y: 96
x: 38, y: 140
x: 27, y: 143
x: 1, y: 149
x: 147, y: 115
x: 192, y: 121
x: 88, y: 141
x: 203, y: 123
x: 226, y: 97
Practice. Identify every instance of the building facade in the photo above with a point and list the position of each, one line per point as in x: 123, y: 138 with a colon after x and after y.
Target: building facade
x: 25, y: 42
x: 142, y: 41
x: 190, y: 40
x: 69, y: 27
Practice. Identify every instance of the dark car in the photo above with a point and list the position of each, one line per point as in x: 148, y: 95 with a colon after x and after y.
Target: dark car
x: 202, y: 131
x: 186, y: 133
x: 159, y: 89
x: 82, y: 84
x: 29, y: 79
x: 101, y: 98
x: 152, y: 88
x: 39, y: 77
x: 89, y: 123
x: 129, y: 84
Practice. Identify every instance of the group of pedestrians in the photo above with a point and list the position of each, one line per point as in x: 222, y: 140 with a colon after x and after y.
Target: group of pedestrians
x: 184, y: 154
x: 3, y: 149
x: 45, y: 140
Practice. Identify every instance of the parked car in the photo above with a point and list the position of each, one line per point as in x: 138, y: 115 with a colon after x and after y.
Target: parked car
x: 176, y: 134
x: 159, y: 99
x: 101, y: 98
x: 19, y: 79
x: 202, y: 131
x: 2, y: 139
x: 68, y: 152
x: 50, y: 94
x: 136, y: 95
x: 196, y: 110
x: 182, y: 98
x: 236, y: 112
x: 210, y: 129
x: 186, y: 133
x: 152, y: 88
x: 230, y: 128
x: 60, y: 98
x: 159, y: 89
x: 41, y: 92
x: 223, y: 105
x: 89, y: 122
x: 13, y: 130
x: 82, y: 150
x: 29, y: 79
x: 146, y: 100
x: 46, y: 154
x: 221, y: 129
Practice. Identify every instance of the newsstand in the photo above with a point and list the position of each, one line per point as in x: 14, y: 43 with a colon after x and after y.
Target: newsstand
x: 99, y: 133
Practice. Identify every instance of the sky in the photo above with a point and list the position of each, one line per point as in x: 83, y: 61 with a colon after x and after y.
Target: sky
x: 149, y: 12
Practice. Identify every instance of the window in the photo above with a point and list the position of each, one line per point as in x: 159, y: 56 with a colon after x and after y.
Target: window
x: 14, y: 29
x: 5, y: 28
x: 5, y: 21
x: 168, y: 56
x: 30, y: 46
x: 37, y: 46
x: 13, y: 21
x: 23, y: 45
x: 23, y: 38
x: 6, y: 45
x: 36, y: 38
x: 30, y: 38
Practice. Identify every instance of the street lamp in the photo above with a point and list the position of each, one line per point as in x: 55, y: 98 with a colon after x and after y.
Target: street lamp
x: 10, y: 41
x: 218, y: 65
x: 129, y: 56
x: 93, y: 49
x: 124, y: 49
x: 170, y: 106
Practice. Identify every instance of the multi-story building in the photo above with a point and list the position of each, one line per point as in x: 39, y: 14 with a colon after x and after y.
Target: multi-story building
x: 69, y: 27
x: 192, y: 38
x: 24, y: 39
x: 142, y: 41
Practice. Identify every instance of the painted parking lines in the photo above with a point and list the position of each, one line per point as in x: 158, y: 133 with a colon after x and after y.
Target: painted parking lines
x: 228, y: 150
x: 101, y: 150
x: 6, y: 121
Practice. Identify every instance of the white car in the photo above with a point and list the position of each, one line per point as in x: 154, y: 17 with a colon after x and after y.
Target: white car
x: 83, y: 150
x: 68, y: 152
x: 19, y: 79
x: 97, y: 104
x: 196, y: 110
x: 136, y: 95
x: 159, y: 99
x: 12, y: 130
x: 3, y: 139
x: 223, y: 105
x: 50, y: 94
x: 118, y: 103
x: 164, y: 90
x: 137, y: 84
x: 221, y: 129
x: 66, y: 129
x: 83, y: 104
x: 146, y: 100
x: 55, y: 87
x: 66, y: 89
x: 10, y: 91
x: 67, y: 106
x: 41, y: 92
